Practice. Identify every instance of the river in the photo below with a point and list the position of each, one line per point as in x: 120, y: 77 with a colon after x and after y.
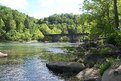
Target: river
x: 24, y: 63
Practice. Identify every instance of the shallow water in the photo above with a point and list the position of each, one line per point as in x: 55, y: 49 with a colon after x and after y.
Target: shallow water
x: 24, y: 62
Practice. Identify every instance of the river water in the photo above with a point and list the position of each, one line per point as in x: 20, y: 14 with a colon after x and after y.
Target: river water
x: 24, y: 63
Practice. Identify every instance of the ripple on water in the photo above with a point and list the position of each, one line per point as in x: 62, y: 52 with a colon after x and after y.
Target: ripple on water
x: 31, y: 68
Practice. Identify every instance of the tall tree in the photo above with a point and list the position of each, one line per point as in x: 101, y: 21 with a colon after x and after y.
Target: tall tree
x: 116, y: 14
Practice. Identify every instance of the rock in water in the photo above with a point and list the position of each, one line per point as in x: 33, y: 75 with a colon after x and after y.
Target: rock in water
x: 65, y: 67
x: 3, y: 55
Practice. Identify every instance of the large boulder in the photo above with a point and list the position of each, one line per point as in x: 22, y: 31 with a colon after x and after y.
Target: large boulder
x: 3, y: 55
x: 89, y: 74
x: 112, y: 74
x: 65, y: 67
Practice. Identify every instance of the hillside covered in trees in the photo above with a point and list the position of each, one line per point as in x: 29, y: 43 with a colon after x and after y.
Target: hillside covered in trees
x: 16, y: 26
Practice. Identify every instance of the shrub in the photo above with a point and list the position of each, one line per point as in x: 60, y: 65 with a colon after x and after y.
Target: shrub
x: 105, y: 50
x: 104, y: 67
x: 114, y: 38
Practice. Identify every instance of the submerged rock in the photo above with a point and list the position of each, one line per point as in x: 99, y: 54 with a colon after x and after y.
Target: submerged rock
x: 89, y: 74
x: 3, y: 55
x: 112, y: 74
x: 65, y: 67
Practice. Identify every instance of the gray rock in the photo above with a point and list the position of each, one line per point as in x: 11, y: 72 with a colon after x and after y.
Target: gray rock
x: 112, y: 74
x: 65, y: 67
x: 3, y: 55
x: 89, y: 74
x: 93, y: 79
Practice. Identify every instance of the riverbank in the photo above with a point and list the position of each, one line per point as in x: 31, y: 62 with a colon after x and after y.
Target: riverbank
x: 97, y: 60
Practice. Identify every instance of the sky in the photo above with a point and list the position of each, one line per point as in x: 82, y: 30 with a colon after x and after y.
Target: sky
x: 44, y: 8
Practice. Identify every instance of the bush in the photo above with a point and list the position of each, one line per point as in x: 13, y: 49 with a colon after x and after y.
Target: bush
x: 105, y: 50
x: 114, y: 38
x: 111, y: 39
x: 104, y: 67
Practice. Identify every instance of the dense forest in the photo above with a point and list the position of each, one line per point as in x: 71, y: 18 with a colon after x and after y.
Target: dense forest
x: 97, y: 19
x: 16, y: 26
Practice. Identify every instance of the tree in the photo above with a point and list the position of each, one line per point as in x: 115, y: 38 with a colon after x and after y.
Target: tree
x: 15, y: 25
x: 45, y: 29
x: 2, y: 31
x: 20, y: 27
x: 101, y: 14
x: 12, y: 24
x: 55, y: 31
x: 26, y: 36
x: 26, y: 22
x: 2, y: 24
x: 13, y: 35
x: 38, y: 35
x: 116, y: 14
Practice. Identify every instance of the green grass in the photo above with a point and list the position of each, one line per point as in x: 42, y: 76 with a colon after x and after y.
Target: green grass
x: 57, y: 57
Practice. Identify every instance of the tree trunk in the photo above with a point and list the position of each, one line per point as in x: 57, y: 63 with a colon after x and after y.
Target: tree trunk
x: 116, y: 15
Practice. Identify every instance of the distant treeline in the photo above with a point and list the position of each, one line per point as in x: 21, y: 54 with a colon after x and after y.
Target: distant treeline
x: 16, y: 26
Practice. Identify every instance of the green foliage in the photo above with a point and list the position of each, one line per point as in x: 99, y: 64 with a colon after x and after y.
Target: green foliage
x: 114, y: 38
x: 2, y: 31
x: 13, y: 35
x: 2, y: 24
x: 17, y: 26
x: 111, y: 39
x: 97, y: 20
x: 45, y: 29
x: 57, y: 57
x: 64, y: 38
x: 20, y: 27
x: 106, y: 65
x: 105, y: 50
x: 38, y: 35
x: 118, y: 37
x: 12, y: 24
x: 26, y: 36
x: 103, y: 67
x: 55, y: 31
x: 100, y: 17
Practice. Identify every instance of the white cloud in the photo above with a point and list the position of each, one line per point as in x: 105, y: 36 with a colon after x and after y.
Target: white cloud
x: 49, y: 7
x: 40, y: 14
x: 48, y: 3
x: 15, y: 4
